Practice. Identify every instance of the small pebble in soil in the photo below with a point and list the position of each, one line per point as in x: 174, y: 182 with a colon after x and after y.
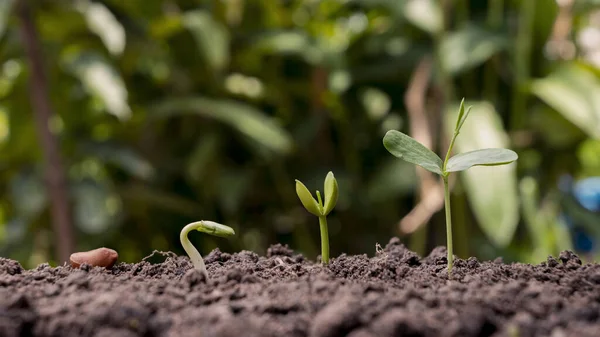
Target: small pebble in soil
x: 101, y: 257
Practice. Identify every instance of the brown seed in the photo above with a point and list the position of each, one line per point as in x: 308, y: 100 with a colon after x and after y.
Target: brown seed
x: 101, y: 257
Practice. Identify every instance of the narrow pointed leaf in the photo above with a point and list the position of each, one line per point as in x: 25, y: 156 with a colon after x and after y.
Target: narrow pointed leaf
x: 410, y: 150
x: 307, y: 199
x: 461, y: 113
x: 331, y: 193
x: 483, y: 157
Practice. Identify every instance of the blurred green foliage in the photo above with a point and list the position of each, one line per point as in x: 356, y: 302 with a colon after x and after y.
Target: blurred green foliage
x: 173, y: 111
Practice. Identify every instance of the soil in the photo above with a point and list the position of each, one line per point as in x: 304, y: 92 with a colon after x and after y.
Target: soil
x: 395, y: 293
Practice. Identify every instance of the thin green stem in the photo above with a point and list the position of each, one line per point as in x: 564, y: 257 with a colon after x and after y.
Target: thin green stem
x: 448, y: 224
x: 450, y: 149
x: 324, y: 239
x: 208, y: 227
x: 191, y: 251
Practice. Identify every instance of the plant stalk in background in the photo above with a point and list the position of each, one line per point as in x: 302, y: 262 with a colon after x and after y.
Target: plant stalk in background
x: 320, y: 208
x: 208, y: 227
x: 55, y: 175
x: 410, y: 150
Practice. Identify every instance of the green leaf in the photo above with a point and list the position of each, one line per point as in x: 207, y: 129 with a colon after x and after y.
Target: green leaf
x: 102, y: 22
x: 245, y: 118
x: 331, y: 193
x: 491, y: 191
x: 425, y: 14
x: 468, y: 48
x: 215, y: 228
x: 308, y: 201
x: 483, y: 157
x: 211, y: 37
x: 408, y: 149
x: 572, y: 90
x: 101, y: 80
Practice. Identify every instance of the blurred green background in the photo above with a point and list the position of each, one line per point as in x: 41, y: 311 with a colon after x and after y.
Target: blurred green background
x: 168, y: 112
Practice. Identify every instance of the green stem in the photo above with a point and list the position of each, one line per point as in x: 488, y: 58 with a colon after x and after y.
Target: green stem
x: 208, y: 227
x: 448, y: 223
x: 449, y: 150
x: 191, y: 251
x: 522, y: 69
x: 324, y: 239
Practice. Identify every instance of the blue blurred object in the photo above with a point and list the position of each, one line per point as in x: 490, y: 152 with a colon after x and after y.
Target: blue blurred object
x: 581, y: 211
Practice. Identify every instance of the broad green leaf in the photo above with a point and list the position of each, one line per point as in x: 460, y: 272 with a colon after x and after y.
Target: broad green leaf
x: 211, y: 37
x: 410, y: 150
x: 308, y: 201
x: 572, y: 90
x: 245, y: 118
x: 101, y: 80
x: 331, y: 193
x: 483, y: 157
x: 425, y: 14
x: 469, y: 47
x: 491, y: 190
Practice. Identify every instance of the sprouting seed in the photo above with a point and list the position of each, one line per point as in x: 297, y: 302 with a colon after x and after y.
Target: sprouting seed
x: 209, y: 227
x: 320, y: 208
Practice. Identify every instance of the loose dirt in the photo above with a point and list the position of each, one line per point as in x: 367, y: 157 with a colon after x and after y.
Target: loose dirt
x: 395, y: 293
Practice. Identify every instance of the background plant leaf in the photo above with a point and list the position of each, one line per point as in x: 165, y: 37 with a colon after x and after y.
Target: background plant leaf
x: 101, y: 80
x: 243, y: 117
x: 211, y: 37
x: 572, y: 90
x: 469, y: 47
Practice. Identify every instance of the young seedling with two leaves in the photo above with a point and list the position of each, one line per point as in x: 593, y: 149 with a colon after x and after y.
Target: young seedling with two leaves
x: 320, y: 208
x: 410, y: 150
x: 204, y: 226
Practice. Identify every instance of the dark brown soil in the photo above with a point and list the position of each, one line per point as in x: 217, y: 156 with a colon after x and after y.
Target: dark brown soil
x: 395, y: 293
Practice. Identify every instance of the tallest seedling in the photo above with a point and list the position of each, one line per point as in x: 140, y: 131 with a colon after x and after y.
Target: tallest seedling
x: 407, y: 148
